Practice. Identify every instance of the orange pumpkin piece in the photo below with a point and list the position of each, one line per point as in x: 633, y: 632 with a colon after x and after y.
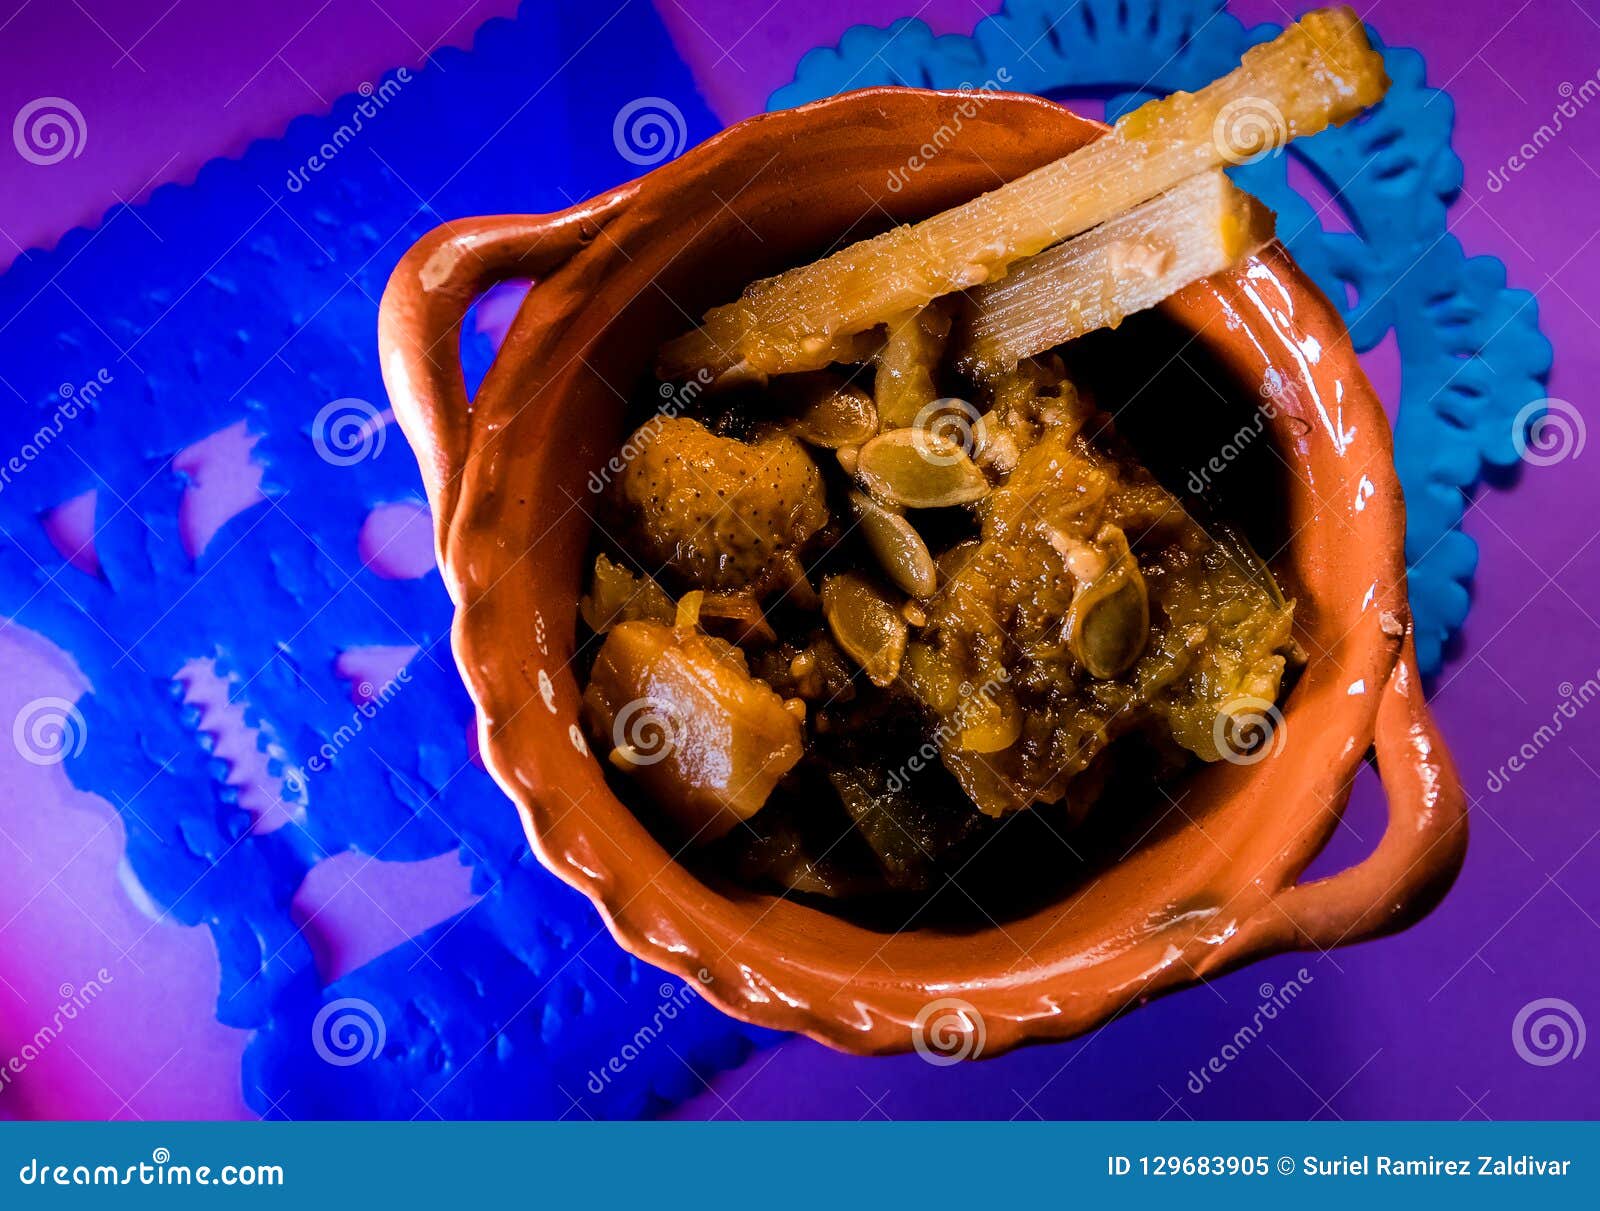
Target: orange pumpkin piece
x: 680, y: 712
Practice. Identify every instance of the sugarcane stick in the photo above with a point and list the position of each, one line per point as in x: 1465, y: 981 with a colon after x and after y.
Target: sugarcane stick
x: 1319, y: 72
x: 1200, y: 227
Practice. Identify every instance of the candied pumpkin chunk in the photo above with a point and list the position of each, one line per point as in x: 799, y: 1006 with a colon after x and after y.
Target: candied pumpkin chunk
x: 617, y: 594
x: 681, y: 714
x: 723, y: 514
x: 1054, y: 618
x: 905, y: 379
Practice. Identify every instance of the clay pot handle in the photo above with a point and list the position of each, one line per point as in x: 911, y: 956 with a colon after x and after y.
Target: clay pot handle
x: 1422, y: 848
x: 420, y: 317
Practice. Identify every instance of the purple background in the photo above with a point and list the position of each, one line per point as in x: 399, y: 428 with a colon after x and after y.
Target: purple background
x: 1415, y: 1026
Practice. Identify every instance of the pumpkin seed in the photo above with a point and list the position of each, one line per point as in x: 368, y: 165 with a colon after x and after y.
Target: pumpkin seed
x: 919, y: 470
x: 1108, y: 624
x: 952, y: 560
x: 866, y: 623
x: 1112, y: 627
x: 900, y: 550
x: 832, y: 413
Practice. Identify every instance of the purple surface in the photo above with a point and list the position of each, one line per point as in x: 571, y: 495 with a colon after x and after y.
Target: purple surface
x: 1415, y: 1026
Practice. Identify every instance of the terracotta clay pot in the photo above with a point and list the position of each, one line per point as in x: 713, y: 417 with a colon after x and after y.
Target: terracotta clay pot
x: 507, y: 476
